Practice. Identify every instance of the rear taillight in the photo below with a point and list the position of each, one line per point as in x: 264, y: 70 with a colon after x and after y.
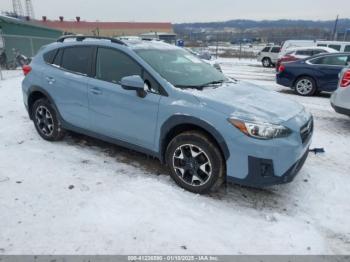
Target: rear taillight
x: 281, y: 68
x: 345, y: 81
x: 26, y: 69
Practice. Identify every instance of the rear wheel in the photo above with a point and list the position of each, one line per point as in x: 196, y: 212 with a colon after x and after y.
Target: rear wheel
x: 266, y: 62
x: 305, y: 86
x: 195, y: 162
x: 45, y: 120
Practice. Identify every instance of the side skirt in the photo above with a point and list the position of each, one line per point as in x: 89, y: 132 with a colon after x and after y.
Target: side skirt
x: 107, y: 139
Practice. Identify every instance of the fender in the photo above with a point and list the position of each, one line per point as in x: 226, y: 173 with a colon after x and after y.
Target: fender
x: 177, y: 120
x: 33, y: 89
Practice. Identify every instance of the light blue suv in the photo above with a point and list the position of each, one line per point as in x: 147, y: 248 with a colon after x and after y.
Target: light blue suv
x: 163, y: 101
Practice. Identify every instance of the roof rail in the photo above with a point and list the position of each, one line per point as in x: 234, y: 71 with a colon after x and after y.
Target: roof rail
x: 83, y: 37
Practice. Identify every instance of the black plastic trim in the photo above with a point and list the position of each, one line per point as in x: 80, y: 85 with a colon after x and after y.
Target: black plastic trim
x: 341, y: 110
x: 114, y: 141
x: 177, y: 120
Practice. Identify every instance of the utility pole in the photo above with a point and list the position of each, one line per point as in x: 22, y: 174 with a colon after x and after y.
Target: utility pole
x: 335, y: 28
x: 217, y: 45
x: 29, y: 9
x: 17, y: 7
x: 346, y: 34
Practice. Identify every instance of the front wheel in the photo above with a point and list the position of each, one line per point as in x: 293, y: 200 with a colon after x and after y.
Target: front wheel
x: 305, y: 86
x: 196, y: 164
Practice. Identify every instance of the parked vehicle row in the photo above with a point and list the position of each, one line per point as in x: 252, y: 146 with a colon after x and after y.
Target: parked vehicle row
x: 162, y: 100
x: 299, y: 53
x: 313, y: 75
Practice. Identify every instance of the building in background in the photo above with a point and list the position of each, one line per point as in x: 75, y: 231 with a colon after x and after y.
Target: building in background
x: 24, y: 36
x: 110, y: 29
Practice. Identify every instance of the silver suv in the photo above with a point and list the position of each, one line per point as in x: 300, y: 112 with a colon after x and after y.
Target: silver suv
x: 269, y: 56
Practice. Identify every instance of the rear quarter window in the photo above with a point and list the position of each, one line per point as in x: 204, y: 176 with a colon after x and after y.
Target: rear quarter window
x: 49, y: 56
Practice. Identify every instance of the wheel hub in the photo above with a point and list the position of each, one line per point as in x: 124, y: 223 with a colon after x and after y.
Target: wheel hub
x: 44, y: 120
x: 192, y: 165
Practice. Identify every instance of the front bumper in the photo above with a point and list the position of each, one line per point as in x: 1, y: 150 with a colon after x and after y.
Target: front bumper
x: 261, y: 173
x: 261, y: 163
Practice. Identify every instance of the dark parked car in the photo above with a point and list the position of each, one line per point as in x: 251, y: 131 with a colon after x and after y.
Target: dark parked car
x: 314, y: 74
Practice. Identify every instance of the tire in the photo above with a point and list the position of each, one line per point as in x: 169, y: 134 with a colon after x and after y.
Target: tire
x: 195, y: 162
x: 266, y: 62
x: 305, y: 86
x: 46, y: 121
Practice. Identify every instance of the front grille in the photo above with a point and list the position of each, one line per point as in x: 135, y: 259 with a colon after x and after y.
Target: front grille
x: 306, y: 131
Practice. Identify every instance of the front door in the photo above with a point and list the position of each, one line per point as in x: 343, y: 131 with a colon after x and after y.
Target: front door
x: 119, y: 113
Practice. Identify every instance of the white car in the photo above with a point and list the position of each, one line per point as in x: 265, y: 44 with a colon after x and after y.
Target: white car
x: 269, y: 56
x: 305, y: 52
x: 340, y: 99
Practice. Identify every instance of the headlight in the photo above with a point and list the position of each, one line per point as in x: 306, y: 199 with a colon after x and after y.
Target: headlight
x: 260, y: 130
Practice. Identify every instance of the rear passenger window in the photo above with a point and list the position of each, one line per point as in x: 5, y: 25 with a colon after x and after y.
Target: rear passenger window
x: 341, y: 60
x: 266, y: 49
x: 275, y: 49
x: 316, y: 52
x: 304, y: 52
x: 112, y: 65
x: 335, y: 47
x: 77, y: 59
x: 347, y: 48
x: 49, y: 56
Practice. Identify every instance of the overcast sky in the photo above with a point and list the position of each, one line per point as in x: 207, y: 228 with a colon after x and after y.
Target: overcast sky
x: 187, y: 10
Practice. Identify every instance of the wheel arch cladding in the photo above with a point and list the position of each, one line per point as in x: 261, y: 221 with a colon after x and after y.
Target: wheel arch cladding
x: 182, y: 123
x: 35, y: 93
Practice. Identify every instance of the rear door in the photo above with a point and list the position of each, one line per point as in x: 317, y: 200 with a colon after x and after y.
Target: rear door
x: 274, y: 53
x: 328, y: 69
x: 66, y: 80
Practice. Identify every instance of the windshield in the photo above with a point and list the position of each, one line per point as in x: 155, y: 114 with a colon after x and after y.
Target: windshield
x: 181, y: 68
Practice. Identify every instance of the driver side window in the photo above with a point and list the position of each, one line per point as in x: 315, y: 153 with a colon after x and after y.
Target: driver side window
x: 112, y: 65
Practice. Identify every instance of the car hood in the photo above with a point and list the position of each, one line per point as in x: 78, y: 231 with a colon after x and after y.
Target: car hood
x: 247, y: 101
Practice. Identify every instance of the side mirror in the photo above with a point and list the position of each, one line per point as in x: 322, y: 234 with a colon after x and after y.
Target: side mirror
x: 135, y: 83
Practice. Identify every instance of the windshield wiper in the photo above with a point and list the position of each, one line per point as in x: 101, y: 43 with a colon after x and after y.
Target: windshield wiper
x: 213, y: 83
x: 200, y: 87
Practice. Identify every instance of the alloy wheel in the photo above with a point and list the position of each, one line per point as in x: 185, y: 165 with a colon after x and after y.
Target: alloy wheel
x: 44, y: 120
x: 304, y: 86
x: 192, y: 165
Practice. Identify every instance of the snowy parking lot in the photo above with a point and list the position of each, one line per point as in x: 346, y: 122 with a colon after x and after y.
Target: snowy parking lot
x: 84, y: 196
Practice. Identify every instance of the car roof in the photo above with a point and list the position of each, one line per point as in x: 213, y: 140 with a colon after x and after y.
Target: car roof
x: 329, y: 50
x: 328, y: 54
x: 134, y: 44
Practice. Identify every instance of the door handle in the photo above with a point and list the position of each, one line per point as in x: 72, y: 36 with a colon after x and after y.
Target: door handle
x: 50, y: 80
x: 96, y: 91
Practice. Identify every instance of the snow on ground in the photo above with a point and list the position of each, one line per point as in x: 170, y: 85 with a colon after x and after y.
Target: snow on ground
x: 83, y: 196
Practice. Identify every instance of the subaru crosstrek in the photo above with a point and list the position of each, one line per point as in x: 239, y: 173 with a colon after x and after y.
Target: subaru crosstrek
x: 163, y: 101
